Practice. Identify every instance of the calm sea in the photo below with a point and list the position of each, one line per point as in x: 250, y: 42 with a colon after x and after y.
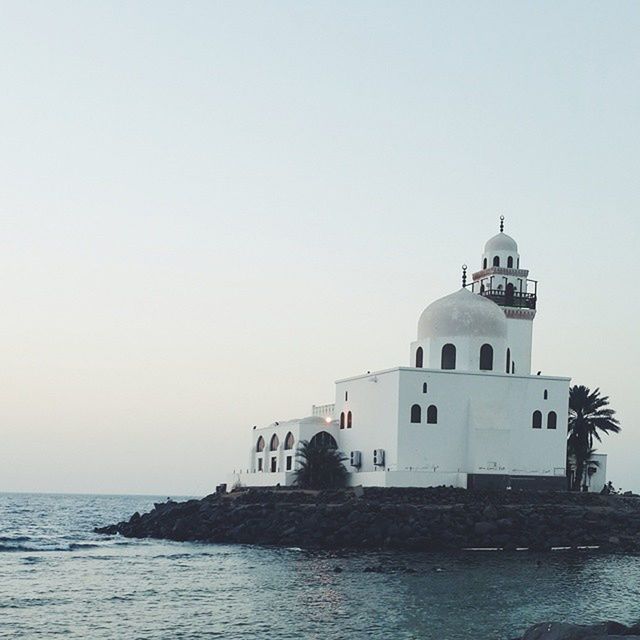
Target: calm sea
x: 58, y: 579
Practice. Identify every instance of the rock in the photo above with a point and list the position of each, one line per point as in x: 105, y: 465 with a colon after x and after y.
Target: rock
x: 483, y: 528
x: 358, y: 491
x: 417, y: 519
x: 337, y: 569
x: 490, y: 512
x: 554, y: 631
x: 564, y: 631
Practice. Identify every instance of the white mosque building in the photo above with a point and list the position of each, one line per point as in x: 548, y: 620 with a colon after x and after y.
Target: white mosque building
x: 466, y: 412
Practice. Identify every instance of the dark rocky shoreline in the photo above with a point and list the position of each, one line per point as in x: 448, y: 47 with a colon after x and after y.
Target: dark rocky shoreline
x: 408, y: 519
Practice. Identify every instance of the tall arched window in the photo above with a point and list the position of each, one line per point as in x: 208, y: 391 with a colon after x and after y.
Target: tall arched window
x: 448, y: 357
x: 260, y: 445
x: 419, y: 357
x: 496, y: 261
x: 416, y: 414
x: 546, y: 394
x: 536, y: 421
x: 349, y: 420
x: 552, y: 420
x: 289, y: 441
x: 486, y: 357
x: 424, y: 387
x: 432, y: 414
x: 484, y: 263
x: 342, y: 420
x: 510, y: 262
x: 508, y: 360
x: 273, y: 445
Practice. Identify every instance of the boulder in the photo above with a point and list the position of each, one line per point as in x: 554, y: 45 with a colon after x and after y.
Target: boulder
x: 483, y: 528
x: 565, y: 631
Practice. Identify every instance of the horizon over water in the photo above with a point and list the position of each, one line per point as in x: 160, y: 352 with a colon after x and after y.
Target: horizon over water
x: 59, y: 579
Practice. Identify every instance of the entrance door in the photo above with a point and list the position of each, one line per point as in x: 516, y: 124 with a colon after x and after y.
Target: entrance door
x: 508, y: 297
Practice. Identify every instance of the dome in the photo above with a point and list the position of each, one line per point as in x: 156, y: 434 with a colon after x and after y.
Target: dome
x: 462, y: 314
x: 501, y: 242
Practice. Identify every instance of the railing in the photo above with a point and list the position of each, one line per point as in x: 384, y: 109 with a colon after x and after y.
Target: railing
x: 511, y: 298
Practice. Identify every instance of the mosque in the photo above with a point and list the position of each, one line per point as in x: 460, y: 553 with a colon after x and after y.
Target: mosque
x: 466, y: 412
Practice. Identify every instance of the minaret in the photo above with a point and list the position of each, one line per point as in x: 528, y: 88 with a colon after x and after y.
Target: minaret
x: 502, y: 280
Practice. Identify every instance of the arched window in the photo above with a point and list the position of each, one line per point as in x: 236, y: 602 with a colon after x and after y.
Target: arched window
x: 349, y: 420
x: 510, y: 262
x: 552, y: 420
x: 342, y: 420
x: 496, y: 261
x: 508, y: 360
x: 419, y: 357
x: 484, y: 263
x: 546, y: 394
x: 448, y: 358
x: 513, y: 367
x: 432, y: 414
x: 416, y: 414
x: 273, y: 445
x: 289, y: 441
x: 424, y: 387
x: 260, y: 445
x: 486, y: 357
x: 323, y: 439
x: 536, y: 422
x: 346, y: 396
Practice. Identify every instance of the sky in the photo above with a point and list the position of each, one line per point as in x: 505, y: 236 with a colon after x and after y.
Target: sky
x: 210, y: 211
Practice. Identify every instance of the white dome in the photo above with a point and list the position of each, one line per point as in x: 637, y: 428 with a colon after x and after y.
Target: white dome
x: 462, y: 314
x: 501, y: 242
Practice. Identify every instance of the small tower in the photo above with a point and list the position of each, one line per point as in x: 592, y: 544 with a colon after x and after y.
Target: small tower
x: 502, y: 280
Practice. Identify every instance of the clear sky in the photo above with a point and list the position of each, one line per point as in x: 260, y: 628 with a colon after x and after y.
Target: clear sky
x: 212, y: 210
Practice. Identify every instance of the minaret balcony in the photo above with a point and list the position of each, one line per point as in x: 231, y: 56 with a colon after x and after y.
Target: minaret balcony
x: 510, y: 298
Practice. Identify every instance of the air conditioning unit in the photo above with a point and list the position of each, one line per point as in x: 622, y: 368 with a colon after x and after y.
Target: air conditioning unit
x: 378, y: 457
x: 355, y: 459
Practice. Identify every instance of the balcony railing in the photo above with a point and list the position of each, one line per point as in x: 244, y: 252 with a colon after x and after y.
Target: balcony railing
x: 511, y: 298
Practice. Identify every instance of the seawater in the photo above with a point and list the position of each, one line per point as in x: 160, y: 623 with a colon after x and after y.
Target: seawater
x: 59, y: 579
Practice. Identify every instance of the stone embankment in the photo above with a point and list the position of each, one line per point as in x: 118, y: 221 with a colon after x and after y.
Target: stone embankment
x: 601, y: 631
x: 409, y: 519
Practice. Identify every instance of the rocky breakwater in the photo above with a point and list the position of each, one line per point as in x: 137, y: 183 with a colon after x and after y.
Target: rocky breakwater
x: 411, y: 519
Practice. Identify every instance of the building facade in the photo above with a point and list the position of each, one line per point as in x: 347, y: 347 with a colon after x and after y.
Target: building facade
x: 466, y: 412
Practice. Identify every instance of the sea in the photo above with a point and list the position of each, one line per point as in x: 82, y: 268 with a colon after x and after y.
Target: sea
x: 58, y: 579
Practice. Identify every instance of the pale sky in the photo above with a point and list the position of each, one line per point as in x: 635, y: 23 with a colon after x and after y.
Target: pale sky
x: 210, y: 211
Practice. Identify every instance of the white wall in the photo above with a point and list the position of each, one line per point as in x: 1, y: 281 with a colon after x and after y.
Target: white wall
x: 484, y: 422
x: 519, y: 340
x: 373, y: 401
x: 408, y: 479
x: 597, y: 480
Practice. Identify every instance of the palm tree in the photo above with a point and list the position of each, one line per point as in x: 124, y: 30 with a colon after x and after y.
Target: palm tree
x: 589, y: 417
x: 320, y: 466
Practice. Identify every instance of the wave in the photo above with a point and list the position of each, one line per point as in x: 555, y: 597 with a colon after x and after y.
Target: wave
x: 14, y: 538
x: 74, y: 546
